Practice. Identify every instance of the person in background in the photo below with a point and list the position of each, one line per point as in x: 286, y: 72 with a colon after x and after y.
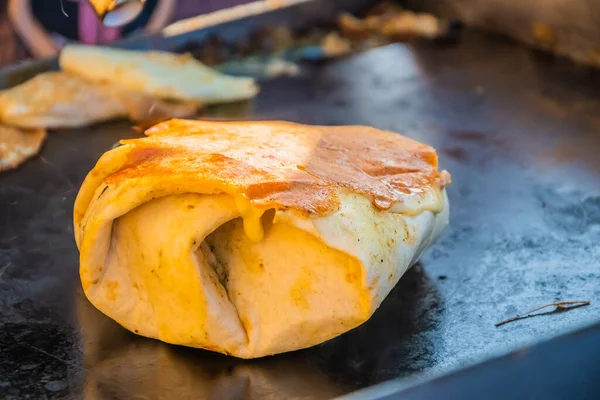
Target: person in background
x: 11, y: 49
x: 45, y: 26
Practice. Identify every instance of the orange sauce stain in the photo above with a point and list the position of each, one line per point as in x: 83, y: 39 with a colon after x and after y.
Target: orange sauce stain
x: 298, y: 292
x: 112, y: 288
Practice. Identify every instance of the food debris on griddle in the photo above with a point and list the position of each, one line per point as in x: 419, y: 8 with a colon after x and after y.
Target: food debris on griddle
x: 388, y: 20
x: 336, y: 46
x: 561, y: 306
x: 384, y: 24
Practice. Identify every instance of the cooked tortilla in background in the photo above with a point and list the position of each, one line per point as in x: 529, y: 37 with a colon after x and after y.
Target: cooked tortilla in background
x: 157, y: 74
x: 254, y: 238
x: 99, y: 84
x: 17, y: 145
x: 126, y: 84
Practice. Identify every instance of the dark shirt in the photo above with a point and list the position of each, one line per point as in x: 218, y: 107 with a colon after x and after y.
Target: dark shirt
x: 53, y: 19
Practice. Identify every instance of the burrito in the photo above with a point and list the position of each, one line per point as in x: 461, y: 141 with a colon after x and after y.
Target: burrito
x: 254, y: 238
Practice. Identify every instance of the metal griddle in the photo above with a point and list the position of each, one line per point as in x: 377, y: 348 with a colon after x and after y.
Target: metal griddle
x: 518, y: 131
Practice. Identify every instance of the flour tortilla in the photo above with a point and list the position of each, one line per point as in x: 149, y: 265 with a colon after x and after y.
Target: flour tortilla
x: 157, y: 74
x: 244, y: 238
x: 17, y: 145
x: 55, y: 100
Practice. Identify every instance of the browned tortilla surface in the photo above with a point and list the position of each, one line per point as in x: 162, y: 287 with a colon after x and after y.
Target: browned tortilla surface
x: 285, y: 165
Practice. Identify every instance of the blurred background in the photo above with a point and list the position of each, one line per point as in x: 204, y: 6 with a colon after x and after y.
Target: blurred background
x: 37, y: 28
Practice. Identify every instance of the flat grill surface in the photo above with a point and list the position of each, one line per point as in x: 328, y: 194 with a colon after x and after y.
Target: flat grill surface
x: 518, y: 131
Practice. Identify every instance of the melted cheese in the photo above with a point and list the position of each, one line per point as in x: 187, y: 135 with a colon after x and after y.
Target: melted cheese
x: 252, y: 219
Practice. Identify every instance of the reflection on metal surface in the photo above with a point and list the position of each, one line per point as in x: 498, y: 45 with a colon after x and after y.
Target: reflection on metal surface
x: 121, y: 365
x: 114, y: 13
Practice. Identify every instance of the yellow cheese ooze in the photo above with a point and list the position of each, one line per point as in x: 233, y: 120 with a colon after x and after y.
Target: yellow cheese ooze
x: 187, y: 272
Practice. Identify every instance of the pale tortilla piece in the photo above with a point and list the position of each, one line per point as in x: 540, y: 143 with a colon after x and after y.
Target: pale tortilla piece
x: 17, y: 145
x: 156, y: 74
x: 59, y: 100
x: 55, y: 100
x: 174, y: 249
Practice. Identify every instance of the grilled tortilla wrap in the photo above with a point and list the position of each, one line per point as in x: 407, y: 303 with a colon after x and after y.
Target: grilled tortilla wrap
x: 157, y: 74
x: 61, y: 100
x: 18, y: 145
x: 254, y: 238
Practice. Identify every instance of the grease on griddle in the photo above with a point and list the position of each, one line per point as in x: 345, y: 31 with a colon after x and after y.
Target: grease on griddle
x: 456, y: 153
x: 560, y: 306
